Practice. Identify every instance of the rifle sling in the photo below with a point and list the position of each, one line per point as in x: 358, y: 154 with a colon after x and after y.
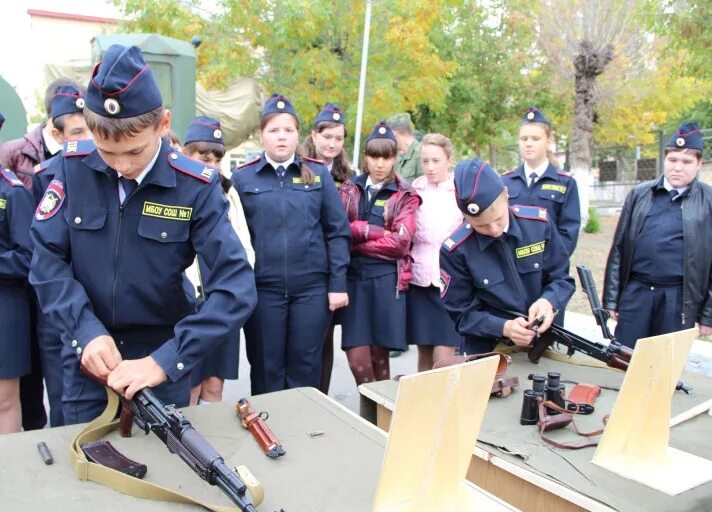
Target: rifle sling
x: 129, y: 485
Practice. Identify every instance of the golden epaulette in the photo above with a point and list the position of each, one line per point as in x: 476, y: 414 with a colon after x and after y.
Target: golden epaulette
x: 191, y: 167
x: 458, y: 236
x: 10, y: 177
x: 530, y: 212
x: 78, y: 148
x: 254, y: 160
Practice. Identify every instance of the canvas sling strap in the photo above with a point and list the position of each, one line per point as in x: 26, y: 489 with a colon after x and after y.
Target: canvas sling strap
x: 125, y: 484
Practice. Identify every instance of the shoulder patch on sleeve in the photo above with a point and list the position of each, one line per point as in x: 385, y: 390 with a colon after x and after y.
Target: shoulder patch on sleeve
x: 530, y: 212
x: 51, y: 201
x: 192, y: 168
x: 78, y: 148
x: 457, y: 237
x: 254, y: 160
x: 10, y: 177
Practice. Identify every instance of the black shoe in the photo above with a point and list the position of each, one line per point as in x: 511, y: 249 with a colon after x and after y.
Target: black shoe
x: 397, y: 353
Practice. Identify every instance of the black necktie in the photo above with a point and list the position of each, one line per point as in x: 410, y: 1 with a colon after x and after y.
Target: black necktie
x: 280, y: 171
x: 673, y: 194
x: 532, y: 179
x: 128, y: 185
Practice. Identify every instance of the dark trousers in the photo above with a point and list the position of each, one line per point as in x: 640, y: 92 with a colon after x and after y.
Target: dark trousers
x: 646, y: 310
x: 50, y: 348
x: 284, y: 339
x: 34, y: 416
x: 471, y: 345
x: 83, y: 399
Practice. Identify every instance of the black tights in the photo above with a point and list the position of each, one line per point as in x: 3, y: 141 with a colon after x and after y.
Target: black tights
x: 369, y: 363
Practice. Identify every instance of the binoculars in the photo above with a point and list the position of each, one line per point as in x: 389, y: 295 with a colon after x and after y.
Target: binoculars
x: 544, y: 388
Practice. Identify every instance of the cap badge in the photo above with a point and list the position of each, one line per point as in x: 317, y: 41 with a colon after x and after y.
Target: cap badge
x: 217, y: 133
x: 530, y: 116
x: 79, y: 103
x: 473, y: 208
x: 680, y: 141
x: 382, y: 130
x: 336, y: 116
x: 112, y: 106
x: 280, y: 105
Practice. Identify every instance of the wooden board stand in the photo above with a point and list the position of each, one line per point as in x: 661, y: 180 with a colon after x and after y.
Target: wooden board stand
x: 434, y: 429
x: 635, y: 441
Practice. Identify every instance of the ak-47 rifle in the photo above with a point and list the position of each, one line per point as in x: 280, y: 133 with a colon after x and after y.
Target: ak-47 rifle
x: 614, y: 355
x: 602, y: 315
x: 150, y: 414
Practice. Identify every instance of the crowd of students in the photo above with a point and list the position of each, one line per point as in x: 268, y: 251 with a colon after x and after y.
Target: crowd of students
x: 130, y: 260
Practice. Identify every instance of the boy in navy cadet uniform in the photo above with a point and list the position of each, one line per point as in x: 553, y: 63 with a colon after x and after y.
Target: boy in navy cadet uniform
x: 537, y: 182
x: 115, y: 230
x: 69, y: 127
x: 15, y: 296
x: 301, y: 239
x: 659, y: 271
x: 501, y: 258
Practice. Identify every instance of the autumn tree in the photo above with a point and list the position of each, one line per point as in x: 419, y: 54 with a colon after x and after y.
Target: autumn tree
x: 499, y: 74
x: 686, y: 28
x: 310, y: 50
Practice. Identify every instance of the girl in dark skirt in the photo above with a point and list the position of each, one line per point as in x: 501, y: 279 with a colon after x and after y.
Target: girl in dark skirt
x: 428, y: 324
x: 16, y: 207
x: 326, y: 143
x: 381, y: 208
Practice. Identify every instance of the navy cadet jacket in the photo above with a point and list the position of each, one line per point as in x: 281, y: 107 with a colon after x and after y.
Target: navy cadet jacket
x: 300, y: 232
x: 43, y: 175
x: 554, y: 190
x: 15, y: 217
x: 104, y: 268
x: 480, y: 274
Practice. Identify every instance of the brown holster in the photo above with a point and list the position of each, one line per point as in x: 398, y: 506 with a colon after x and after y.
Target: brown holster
x: 502, y: 386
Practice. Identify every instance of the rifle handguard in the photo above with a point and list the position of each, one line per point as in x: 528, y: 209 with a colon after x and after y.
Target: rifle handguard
x: 502, y: 386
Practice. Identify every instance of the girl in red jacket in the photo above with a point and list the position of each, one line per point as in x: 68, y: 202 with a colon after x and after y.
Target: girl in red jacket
x: 381, y: 208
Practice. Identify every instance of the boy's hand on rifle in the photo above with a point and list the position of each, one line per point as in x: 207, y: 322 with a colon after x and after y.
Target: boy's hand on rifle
x: 101, y: 356
x: 542, y: 307
x: 518, y: 331
x: 614, y: 314
x: 135, y: 374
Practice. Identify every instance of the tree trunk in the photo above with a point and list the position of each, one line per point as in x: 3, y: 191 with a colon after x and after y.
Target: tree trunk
x: 493, y: 156
x: 588, y: 64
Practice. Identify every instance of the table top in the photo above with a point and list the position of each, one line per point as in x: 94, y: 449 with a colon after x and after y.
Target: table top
x: 502, y: 436
x: 336, y: 470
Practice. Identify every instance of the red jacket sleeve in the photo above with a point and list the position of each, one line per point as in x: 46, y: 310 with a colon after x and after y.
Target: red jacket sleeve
x: 395, y: 244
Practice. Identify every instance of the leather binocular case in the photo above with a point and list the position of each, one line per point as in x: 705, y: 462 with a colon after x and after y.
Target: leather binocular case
x: 502, y: 386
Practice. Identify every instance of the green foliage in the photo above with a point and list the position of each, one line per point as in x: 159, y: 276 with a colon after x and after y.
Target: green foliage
x: 498, y: 75
x: 594, y: 221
